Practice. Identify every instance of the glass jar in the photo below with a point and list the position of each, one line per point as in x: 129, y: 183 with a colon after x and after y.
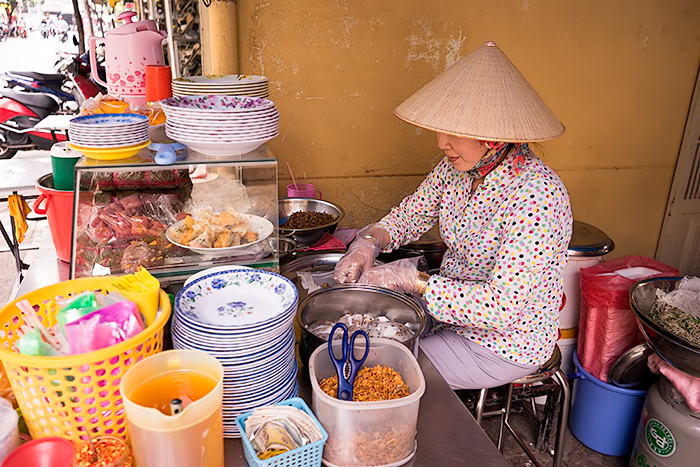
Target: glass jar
x: 111, y: 452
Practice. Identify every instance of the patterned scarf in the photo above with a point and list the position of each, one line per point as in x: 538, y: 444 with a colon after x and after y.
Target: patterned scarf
x: 497, y: 152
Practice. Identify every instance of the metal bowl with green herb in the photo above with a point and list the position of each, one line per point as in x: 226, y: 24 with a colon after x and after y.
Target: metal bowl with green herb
x: 674, y: 336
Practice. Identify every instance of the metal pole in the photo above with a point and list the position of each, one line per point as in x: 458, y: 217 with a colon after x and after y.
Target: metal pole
x: 174, y: 60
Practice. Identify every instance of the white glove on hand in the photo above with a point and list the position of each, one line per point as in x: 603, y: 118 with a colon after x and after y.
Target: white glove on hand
x: 361, y: 254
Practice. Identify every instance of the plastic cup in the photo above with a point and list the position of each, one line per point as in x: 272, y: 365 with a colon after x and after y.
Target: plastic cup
x: 303, y: 190
x: 158, y: 83
x: 63, y: 159
x: 44, y: 452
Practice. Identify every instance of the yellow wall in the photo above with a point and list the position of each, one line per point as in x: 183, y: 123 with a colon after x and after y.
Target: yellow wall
x: 618, y: 74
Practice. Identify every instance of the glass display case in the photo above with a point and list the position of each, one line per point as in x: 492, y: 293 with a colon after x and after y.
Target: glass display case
x: 175, y: 220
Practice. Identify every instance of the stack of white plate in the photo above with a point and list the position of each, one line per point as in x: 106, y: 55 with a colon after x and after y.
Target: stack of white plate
x: 108, y: 130
x: 244, y: 318
x: 231, y: 85
x: 221, y: 125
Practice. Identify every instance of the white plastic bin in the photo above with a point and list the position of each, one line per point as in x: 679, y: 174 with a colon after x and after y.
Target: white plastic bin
x: 587, y: 248
x: 378, y: 433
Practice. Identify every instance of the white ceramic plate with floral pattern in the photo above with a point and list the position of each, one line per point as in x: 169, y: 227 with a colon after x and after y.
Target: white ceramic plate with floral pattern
x: 237, y: 298
x: 197, y: 104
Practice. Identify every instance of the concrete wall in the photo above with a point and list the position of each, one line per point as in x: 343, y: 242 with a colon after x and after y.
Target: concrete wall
x: 618, y: 74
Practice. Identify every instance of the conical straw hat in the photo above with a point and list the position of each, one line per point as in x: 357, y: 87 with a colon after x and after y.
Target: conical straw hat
x: 482, y: 96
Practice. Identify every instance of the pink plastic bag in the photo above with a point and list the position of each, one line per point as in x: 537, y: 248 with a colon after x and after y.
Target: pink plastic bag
x: 103, y: 328
x: 607, y: 326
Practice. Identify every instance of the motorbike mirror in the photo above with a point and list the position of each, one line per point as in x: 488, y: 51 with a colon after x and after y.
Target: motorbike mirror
x: 75, y: 40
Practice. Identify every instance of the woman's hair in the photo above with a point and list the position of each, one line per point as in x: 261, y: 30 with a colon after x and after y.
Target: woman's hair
x: 540, y: 149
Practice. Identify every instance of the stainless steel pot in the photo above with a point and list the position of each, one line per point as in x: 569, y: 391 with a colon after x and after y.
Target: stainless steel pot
x: 332, y: 303
x: 675, y: 350
x: 312, y: 262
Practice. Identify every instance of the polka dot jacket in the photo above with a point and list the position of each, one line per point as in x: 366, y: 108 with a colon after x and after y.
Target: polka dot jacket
x: 500, y: 283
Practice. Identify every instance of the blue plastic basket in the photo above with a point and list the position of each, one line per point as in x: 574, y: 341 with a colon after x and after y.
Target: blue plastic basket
x: 305, y: 456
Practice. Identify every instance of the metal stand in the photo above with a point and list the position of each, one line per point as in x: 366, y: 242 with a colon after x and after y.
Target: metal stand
x: 12, y: 241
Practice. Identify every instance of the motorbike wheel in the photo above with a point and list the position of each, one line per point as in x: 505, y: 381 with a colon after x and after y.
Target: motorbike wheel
x: 5, y: 151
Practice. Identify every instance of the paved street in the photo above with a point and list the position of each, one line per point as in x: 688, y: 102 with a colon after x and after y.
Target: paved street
x: 33, y: 53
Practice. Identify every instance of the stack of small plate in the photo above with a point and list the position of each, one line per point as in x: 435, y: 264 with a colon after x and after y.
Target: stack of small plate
x: 244, y: 318
x: 231, y: 85
x: 109, y: 136
x: 221, y: 125
x: 108, y: 130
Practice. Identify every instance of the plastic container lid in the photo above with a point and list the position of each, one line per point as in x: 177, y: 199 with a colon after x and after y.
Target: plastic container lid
x: 62, y: 149
x: 589, y: 241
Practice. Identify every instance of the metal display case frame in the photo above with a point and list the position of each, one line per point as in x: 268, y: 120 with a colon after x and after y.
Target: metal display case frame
x: 253, y: 176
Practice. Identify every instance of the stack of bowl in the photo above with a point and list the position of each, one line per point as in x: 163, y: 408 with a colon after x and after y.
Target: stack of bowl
x: 109, y: 136
x: 231, y: 85
x: 221, y: 125
x: 244, y: 318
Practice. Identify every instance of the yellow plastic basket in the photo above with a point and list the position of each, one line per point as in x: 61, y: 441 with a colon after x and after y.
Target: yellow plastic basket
x: 68, y: 396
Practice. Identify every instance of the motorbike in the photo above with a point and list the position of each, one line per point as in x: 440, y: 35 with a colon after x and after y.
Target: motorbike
x: 21, y: 32
x: 71, y: 86
x: 22, y: 107
x: 19, y: 113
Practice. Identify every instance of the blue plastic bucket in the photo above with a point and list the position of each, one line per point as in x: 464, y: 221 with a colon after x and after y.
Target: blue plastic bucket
x: 604, y: 417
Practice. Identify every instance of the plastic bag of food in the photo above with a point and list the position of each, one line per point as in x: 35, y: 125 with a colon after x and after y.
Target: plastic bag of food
x: 104, y: 327
x: 104, y: 104
x: 140, y: 254
x: 75, y: 307
x: 607, y: 326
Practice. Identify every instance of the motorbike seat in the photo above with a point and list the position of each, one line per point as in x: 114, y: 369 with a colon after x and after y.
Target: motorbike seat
x: 40, y: 76
x: 41, y: 104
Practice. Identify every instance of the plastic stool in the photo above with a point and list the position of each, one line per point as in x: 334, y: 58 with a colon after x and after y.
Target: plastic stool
x: 549, y: 370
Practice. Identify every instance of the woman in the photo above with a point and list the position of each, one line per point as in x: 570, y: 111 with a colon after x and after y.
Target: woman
x: 504, y: 216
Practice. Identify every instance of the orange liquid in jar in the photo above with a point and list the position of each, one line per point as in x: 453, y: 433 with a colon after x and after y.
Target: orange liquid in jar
x: 186, y: 385
x: 194, y: 445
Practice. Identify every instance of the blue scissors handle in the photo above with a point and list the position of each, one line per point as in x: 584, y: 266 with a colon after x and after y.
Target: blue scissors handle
x: 348, y: 365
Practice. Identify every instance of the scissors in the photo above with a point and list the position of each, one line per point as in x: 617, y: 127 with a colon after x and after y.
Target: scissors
x: 347, y: 366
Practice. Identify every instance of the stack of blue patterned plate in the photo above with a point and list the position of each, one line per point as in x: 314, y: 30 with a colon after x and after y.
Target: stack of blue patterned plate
x: 245, y: 318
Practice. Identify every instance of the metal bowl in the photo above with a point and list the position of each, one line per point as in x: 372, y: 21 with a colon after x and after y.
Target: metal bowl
x: 285, y: 248
x: 306, y: 237
x: 675, y: 350
x: 332, y: 303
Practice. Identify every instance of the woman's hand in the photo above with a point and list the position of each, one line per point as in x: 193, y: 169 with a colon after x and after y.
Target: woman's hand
x: 687, y: 385
x: 401, y: 275
x: 361, y: 254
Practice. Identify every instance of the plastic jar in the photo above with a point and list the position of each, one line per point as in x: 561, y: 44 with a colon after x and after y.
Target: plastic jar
x: 380, y: 433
